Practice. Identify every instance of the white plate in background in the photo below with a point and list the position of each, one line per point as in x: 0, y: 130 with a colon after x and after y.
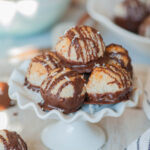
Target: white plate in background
x: 103, y: 12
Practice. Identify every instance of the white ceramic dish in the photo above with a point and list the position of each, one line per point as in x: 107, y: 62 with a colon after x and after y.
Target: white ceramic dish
x: 92, y: 113
x: 65, y: 134
x: 103, y: 12
x: 24, y: 17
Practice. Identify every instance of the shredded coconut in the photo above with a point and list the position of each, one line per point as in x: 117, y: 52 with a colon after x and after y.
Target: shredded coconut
x: 97, y: 65
x: 53, y: 74
x: 66, y: 78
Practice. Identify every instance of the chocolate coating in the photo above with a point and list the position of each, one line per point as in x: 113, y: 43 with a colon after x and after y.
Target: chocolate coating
x: 31, y: 86
x: 116, y: 54
x: 5, y: 101
x: 135, y: 13
x: 80, y: 47
x: 85, y: 68
x: 112, y: 83
x: 13, y: 141
x: 39, y: 68
x: 109, y: 98
x: 53, y: 95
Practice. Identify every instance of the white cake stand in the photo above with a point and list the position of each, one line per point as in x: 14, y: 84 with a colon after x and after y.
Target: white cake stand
x: 75, y: 131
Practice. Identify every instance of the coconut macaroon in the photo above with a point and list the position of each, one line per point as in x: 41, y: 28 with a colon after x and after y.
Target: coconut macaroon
x: 39, y: 68
x: 63, y: 89
x: 11, y: 141
x: 80, y: 48
x: 116, y: 54
x: 126, y: 14
x: 108, y: 84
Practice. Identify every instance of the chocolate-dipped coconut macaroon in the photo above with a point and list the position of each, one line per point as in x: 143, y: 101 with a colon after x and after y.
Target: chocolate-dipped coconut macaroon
x: 116, y: 54
x: 109, y: 84
x: 144, y: 28
x: 5, y: 101
x: 147, y: 4
x: 39, y: 68
x: 64, y: 90
x: 11, y: 141
x: 129, y: 14
x: 81, y: 48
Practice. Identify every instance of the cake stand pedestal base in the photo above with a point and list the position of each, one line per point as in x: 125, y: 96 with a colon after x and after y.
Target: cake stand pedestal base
x: 79, y: 135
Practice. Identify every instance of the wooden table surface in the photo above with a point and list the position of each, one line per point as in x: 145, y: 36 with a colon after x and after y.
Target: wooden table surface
x: 120, y: 131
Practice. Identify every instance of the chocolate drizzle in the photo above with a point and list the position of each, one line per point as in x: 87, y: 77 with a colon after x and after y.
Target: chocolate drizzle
x: 4, y: 141
x: 118, y: 54
x: 54, y: 83
x: 31, y: 86
x: 68, y: 104
x: 84, y: 38
x: 121, y: 73
x: 49, y: 60
x: 125, y: 83
x: 14, y: 142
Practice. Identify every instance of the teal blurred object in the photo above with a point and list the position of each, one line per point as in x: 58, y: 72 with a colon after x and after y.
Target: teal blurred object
x: 26, y: 17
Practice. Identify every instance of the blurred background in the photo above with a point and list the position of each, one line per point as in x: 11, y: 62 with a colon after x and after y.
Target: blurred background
x: 26, y: 26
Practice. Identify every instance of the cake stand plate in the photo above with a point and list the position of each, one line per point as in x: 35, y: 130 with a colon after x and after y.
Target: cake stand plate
x: 75, y: 131
x: 79, y: 135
